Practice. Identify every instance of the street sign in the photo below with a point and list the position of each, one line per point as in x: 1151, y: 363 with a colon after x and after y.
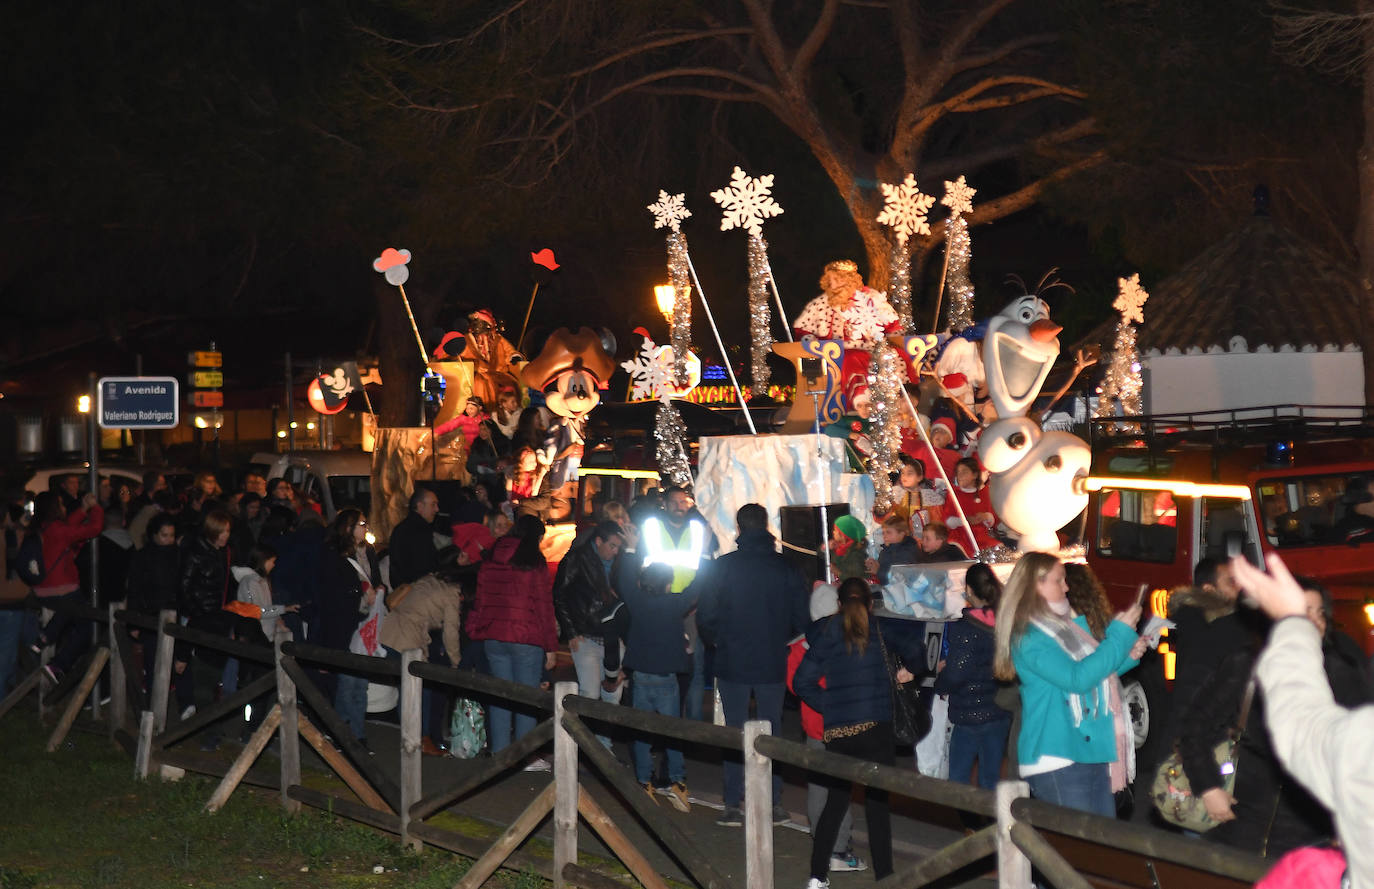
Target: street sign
x: 205, y: 359
x: 207, y: 379
x: 137, y: 403
x: 211, y: 398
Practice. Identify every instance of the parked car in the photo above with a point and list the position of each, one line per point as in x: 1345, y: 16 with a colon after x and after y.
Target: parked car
x: 47, y: 479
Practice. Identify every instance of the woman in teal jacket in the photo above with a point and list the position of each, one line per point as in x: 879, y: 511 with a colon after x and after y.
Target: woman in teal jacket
x: 1071, y: 714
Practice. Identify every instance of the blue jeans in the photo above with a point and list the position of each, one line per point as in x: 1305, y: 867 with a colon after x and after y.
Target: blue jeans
x: 11, y: 633
x: 986, y: 743
x: 350, y: 700
x: 1086, y: 786
x: 734, y: 699
x: 656, y: 693
x: 515, y: 662
x: 696, y: 683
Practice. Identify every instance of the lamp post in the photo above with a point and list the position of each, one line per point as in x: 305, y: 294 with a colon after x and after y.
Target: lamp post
x: 665, y: 295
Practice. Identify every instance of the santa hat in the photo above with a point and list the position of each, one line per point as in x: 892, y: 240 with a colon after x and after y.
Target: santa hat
x: 954, y: 382
x: 947, y: 423
x: 857, y: 388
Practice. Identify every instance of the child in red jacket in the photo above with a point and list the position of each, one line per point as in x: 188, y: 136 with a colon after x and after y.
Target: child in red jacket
x: 824, y: 603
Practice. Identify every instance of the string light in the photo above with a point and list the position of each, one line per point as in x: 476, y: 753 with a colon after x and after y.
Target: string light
x: 760, y: 332
x: 1122, y: 382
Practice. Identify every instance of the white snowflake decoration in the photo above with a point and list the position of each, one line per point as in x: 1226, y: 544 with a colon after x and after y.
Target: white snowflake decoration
x: 1131, y: 301
x: 669, y: 210
x: 747, y: 202
x: 958, y: 196
x: 905, y: 208
x: 652, y: 377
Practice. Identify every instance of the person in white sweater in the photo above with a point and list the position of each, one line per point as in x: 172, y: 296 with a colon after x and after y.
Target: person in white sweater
x: 1324, y: 745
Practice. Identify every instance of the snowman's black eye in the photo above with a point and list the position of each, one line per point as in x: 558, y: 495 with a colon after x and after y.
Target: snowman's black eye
x: 1017, y: 440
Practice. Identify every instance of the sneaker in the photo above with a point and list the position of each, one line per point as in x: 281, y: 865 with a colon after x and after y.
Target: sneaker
x: 53, y: 673
x: 649, y: 791
x: 188, y: 712
x: 539, y: 764
x: 429, y: 748
x: 814, y: 883
x: 677, y: 795
x: 731, y: 817
x: 847, y: 861
x: 781, y: 815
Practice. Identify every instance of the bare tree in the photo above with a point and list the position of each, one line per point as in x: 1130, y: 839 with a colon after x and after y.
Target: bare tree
x: 872, y: 88
x: 1342, y: 43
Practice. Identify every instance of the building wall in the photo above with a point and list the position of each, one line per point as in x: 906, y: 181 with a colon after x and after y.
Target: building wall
x: 1230, y: 380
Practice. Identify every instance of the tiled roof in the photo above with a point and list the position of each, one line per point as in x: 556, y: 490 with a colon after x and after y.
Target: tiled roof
x: 1261, y: 283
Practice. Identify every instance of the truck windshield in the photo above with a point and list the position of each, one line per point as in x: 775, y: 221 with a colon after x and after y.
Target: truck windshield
x: 351, y: 490
x: 1316, y: 510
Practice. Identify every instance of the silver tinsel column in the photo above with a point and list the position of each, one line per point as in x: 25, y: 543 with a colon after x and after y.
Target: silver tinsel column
x: 1122, y: 380
x: 899, y: 284
x: 671, y: 435
x: 960, y: 251
x: 681, y: 276
x: 760, y: 333
x: 886, y: 375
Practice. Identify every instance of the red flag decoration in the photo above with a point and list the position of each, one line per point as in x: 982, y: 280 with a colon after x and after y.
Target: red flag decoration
x: 545, y: 258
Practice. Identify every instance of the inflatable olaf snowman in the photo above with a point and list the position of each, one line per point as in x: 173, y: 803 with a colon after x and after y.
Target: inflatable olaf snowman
x: 1036, y: 484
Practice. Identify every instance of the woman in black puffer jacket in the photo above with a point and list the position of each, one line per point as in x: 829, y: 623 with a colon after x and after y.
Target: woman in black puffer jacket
x: 980, y: 726
x: 846, y: 650
x: 205, y: 587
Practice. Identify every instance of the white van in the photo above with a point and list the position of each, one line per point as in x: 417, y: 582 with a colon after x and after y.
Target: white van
x: 336, y: 478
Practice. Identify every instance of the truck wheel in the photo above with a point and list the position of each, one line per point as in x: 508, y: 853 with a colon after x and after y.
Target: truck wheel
x: 1137, y: 703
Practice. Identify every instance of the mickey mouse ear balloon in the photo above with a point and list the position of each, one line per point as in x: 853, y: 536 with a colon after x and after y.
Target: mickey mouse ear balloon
x: 392, y: 264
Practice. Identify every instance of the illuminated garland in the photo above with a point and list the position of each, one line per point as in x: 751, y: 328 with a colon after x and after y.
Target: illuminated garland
x: 1122, y: 382
x: 671, y: 436
x: 760, y: 334
x: 679, y: 272
x: 899, y: 285
x: 885, y: 375
x: 960, y: 288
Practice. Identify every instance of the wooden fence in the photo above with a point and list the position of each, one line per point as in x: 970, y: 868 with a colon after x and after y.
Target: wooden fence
x: 1066, y: 847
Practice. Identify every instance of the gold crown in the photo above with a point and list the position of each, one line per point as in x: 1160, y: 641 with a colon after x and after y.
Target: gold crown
x: 842, y: 265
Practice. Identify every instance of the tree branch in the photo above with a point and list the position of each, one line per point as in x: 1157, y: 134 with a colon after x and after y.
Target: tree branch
x: 932, y: 113
x: 806, y: 53
x: 1010, y: 99
x: 958, y: 39
x: 992, y: 56
x: 1018, y: 200
x: 972, y: 161
x: 774, y: 53
x: 659, y: 43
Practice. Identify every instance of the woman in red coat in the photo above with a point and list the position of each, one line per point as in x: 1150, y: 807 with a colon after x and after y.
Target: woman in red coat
x: 512, y: 616
x: 63, y: 534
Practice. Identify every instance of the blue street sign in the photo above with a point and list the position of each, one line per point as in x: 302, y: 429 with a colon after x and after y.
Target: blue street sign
x: 137, y: 403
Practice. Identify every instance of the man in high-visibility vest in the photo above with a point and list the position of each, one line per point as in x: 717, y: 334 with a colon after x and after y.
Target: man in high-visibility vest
x: 680, y: 539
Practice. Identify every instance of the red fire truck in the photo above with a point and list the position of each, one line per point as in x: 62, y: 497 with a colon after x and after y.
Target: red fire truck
x: 1167, y: 491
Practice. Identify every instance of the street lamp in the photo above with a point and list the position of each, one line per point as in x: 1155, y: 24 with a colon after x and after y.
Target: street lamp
x: 83, y: 403
x: 666, y: 296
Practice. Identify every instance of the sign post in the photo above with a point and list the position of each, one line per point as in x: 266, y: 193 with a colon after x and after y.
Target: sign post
x: 137, y: 403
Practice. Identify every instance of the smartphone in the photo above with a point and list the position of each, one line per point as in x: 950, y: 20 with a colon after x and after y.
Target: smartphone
x: 1140, y: 594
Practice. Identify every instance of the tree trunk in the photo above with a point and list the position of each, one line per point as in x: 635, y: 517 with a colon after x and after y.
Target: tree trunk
x: 398, y: 357
x: 1364, y: 235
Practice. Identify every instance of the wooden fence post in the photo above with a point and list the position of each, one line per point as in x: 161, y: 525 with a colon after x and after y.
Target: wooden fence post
x: 1013, y: 867
x: 758, y: 809
x: 565, y: 783
x: 412, y: 730
x: 119, y: 690
x: 288, y: 732
x: 162, y: 670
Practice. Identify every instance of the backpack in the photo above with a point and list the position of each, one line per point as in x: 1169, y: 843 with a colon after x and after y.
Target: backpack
x: 28, y: 562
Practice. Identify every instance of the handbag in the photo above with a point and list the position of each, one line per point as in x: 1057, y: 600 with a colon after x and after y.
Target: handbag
x: 1173, y: 794
x: 910, y: 721
x: 467, y: 729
